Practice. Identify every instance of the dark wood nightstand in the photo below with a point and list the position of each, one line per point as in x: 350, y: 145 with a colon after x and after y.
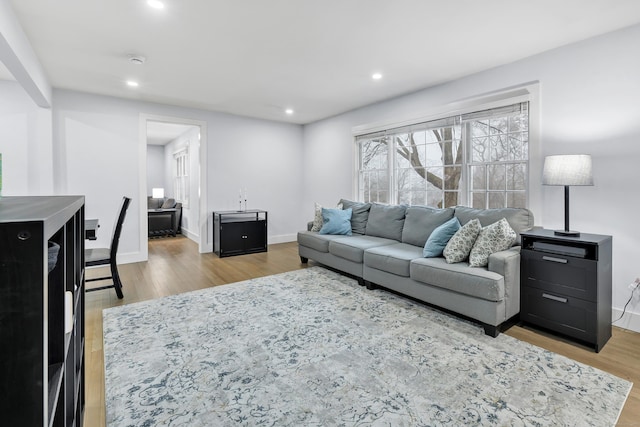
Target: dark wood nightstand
x: 566, y: 284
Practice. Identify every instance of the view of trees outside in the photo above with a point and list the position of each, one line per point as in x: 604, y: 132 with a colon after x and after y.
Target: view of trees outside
x: 428, y: 164
x: 429, y: 167
x: 374, y: 170
x: 499, y: 160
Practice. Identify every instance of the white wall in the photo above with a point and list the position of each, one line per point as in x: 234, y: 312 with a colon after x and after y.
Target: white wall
x: 589, y: 94
x: 265, y: 158
x: 155, y: 168
x: 97, y: 139
x: 25, y: 143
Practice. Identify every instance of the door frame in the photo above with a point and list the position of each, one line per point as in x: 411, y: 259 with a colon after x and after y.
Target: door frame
x: 202, y: 172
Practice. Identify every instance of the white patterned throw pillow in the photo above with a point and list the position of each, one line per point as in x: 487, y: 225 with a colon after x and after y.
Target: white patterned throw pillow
x: 317, y: 219
x: 496, y: 237
x: 459, y: 247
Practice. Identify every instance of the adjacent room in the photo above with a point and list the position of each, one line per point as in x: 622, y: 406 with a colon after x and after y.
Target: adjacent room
x: 290, y: 213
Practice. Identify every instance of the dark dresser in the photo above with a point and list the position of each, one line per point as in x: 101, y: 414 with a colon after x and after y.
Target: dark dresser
x: 566, y: 284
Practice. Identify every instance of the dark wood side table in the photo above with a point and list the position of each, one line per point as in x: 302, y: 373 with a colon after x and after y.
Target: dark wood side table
x: 239, y: 232
x: 566, y: 284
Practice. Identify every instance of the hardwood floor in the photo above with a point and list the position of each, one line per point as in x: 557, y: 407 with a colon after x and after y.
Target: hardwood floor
x: 175, y: 266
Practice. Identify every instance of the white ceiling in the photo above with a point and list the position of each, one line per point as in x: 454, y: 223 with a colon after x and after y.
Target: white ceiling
x: 160, y: 133
x: 257, y: 57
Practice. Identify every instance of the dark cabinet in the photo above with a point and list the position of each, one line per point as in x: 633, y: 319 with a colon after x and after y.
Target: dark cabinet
x: 42, y: 311
x: 239, y: 232
x: 566, y: 284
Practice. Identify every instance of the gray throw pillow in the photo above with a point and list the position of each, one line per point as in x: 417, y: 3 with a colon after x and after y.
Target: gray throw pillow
x: 169, y: 204
x: 359, y: 216
x: 420, y: 222
x: 386, y: 221
x: 496, y: 237
x: 459, y: 247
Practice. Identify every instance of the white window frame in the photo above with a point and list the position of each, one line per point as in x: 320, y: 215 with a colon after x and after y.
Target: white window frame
x: 181, y: 169
x: 528, y: 92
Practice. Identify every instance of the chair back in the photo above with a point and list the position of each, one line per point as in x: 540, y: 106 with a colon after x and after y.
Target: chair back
x: 118, y: 228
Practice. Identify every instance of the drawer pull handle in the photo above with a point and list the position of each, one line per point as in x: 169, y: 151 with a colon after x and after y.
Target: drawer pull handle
x: 555, y: 298
x: 552, y: 259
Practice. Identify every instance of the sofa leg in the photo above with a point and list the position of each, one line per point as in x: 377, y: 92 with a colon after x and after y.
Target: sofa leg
x: 304, y: 260
x: 370, y: 285
x: 360, y: 281
x: 492, y: 331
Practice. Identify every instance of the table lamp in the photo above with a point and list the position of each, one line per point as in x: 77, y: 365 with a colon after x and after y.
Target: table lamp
x: 567, y: 170
x: 157, y: 193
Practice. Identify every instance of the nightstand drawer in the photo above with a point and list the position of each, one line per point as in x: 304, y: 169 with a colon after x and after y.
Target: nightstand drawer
x: 564, y: 275
x: 571, y: 316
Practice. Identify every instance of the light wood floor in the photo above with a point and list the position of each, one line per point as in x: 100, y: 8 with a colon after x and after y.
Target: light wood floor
x: 175, y: 266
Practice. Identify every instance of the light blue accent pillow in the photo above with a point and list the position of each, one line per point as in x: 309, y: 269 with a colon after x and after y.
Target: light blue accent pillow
x: 336, y: 221
x: 439, y: 238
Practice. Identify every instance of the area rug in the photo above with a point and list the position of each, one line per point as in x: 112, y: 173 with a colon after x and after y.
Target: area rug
x: 312, y: 348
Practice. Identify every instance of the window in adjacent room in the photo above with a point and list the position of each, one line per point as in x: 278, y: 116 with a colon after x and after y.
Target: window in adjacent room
x: 477, y: 159
x: 181, y: 176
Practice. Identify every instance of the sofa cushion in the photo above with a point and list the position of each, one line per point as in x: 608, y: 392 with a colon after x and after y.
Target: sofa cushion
x: 459, y: 246
x: 359, y: 216
x: 496, y: 237
x: 386, y: 221
x: 420, y: 221
x: 438, y: 240
x: 476, y: 282
x: 336, y: 221
x: 519, y: 219
x: 353, y: 247
x: 318, y: 242
x: 394, y: 259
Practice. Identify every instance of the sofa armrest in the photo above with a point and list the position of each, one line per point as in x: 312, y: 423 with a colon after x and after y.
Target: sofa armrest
x: 507, y: 264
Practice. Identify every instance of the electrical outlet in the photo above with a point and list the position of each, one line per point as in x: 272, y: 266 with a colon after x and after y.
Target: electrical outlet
x: 633, y: 285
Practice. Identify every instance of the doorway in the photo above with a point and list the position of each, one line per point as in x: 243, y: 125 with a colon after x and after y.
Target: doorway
x: 162, y: 141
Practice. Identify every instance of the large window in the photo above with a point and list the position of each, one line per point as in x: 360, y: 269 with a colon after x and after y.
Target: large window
x: 478, y: 159
x: 181, y: 176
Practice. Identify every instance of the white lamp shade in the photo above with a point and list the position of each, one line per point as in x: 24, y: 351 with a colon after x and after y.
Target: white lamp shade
x: 569, y: 169
x: 157, y: 193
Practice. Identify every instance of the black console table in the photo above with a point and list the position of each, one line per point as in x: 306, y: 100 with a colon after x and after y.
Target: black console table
x: 566, y: 284
x: 239, y: 232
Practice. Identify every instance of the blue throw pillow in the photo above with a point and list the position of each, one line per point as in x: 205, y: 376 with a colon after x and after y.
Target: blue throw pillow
x: 336, y: 221
x: 440, y: 237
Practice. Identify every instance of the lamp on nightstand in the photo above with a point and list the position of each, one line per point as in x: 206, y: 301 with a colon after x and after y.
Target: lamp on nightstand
x: 567, y: 170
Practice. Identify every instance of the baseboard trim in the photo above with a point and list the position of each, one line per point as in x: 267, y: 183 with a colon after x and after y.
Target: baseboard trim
x: 190, y: 235
x: 282, y: 238
x: 630, y: 320
x: 130, y: 257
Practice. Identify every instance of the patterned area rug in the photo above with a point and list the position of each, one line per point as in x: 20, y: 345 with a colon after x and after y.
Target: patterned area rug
x: 312, y: 348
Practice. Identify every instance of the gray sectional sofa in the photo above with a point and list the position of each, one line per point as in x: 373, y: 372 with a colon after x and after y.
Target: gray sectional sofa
x: 385, y: 250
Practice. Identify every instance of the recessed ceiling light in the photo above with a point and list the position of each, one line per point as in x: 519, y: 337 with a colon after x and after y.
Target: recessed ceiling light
x: 132, y: 83
x: 289, y: 111
x: 376, y: 76
x: 156, y: 4
x: 137, y: 59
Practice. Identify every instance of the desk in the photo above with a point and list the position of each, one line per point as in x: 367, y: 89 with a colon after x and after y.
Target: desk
x: 158, y: 226
x: 90, y: 227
